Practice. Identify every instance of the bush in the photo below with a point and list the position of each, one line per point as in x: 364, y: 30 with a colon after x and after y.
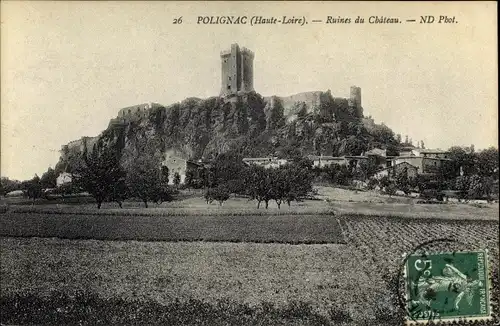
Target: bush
x: 390, y: 189
x: 66, y: 189
x: 432, y: 194
x: 372, y: 184
x: 220, y: 194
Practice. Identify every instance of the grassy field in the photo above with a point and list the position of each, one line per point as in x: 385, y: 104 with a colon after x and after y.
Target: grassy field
x: 330, y: 200
x: 293, y: 284
x: 256, y: 276
x: 239, y: 228
x: 252, y: 267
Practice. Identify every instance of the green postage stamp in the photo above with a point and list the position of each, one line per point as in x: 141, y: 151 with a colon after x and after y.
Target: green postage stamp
x: 447, y: 287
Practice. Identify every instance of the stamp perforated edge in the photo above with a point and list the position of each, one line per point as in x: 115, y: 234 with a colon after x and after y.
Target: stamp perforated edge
x: 463, y: 319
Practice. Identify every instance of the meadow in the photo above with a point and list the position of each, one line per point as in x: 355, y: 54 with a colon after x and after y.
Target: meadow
x: 230, y: 228
x: 315, y: 263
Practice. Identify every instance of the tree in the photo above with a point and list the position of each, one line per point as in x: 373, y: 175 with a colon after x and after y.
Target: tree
x: 33, y: 188
x: 227, y: 169
x: 177, y: 179
x: 275, y: 117
x: 339, y: 174
x: 280, y: 186
x: 420, y: 182
x: 164, y: 174
x: 299, y: 178
x: 221, y: 194
x: 163, y: 191
x: 372, y: 184
x: 66, y: 189
x: 402, y: 181
x: 384, y: 182
x: 366, y: 169
x: 383, y: 134
x: 189, y: 179
x: 462, y: 184
x: 258, y: 184
x: 290, y: 152
x: 462, y: 159
x: 119, y: 190
x: 144, y: 178
x: 488, y: 187
x: 387, y: 186
x: 49, y: 179
x: 487, y: 162
x: 355, y: 145
x: 283, y: 184
x: 479, y: 187
x: 476, y: 187
x: 209, y: 195
x: 446, y: 174
x: 162, y: 194
x: 390, y: 189
x: 7, y: 185
x: 100, y: 174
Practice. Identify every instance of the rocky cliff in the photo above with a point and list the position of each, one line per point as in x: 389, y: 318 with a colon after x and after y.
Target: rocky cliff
x: 314, y: 123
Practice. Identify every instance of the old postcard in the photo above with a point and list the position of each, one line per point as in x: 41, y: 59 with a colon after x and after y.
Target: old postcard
x: 249, y: 163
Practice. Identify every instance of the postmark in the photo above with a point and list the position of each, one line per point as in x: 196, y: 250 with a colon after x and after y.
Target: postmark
x: 447, y: 286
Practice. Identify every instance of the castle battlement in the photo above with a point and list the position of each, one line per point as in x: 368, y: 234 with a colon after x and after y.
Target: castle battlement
x: 248, y: 52
x: 225, y: 52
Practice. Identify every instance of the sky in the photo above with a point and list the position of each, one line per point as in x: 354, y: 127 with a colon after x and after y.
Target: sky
x: 67, y: 67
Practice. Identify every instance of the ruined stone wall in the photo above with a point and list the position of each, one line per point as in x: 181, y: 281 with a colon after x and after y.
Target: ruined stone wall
x: 311, y: 99
x: 136, y: 112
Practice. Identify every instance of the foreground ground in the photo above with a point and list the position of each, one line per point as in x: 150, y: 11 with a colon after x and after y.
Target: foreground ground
x: 349, y: 278
x: 266, y: 284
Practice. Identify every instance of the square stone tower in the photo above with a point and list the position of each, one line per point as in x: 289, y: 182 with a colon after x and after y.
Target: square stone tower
x: 355, y: 99
x: 236, y: 70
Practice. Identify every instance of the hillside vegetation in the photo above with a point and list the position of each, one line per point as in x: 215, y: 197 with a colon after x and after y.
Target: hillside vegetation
x: 250, y: 126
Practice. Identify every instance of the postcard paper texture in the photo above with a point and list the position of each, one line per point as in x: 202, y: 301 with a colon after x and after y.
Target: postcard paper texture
x: 249, y: 163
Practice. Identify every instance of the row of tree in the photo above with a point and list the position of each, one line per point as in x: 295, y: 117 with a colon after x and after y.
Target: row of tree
x: 466, y: 187
x: 109, y: 175
x: 228, y: 174
x: 106, y: 177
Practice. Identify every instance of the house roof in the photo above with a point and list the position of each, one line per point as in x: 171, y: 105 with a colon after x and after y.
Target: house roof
x: 357, y: 157
x: 315, y: 157
x: 377, y: 151
x: 391, y: 167
x: 430, y: 151
x: 408, y: 156
x: 421, y: 157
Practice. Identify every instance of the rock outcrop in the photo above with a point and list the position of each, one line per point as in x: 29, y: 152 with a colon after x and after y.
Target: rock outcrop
x: 306, y: 123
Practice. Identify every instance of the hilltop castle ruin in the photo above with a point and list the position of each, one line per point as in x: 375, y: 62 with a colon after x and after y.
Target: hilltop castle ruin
x: 236, y: 78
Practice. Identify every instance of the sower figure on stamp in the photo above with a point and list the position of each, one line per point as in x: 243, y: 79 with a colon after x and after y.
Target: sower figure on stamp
x: 452, y: 281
